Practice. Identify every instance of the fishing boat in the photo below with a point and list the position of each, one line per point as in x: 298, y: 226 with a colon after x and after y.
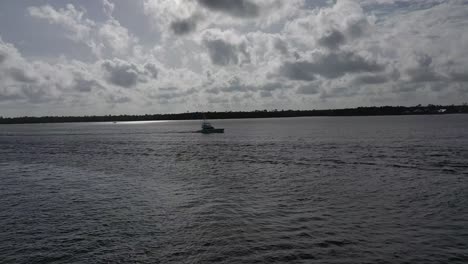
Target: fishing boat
x: 207, y: 128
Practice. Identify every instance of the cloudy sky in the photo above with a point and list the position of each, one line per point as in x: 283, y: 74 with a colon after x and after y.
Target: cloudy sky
x: 61, y: 57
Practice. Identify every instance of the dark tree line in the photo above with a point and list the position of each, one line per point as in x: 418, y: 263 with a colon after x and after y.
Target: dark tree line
x: 359, y: 111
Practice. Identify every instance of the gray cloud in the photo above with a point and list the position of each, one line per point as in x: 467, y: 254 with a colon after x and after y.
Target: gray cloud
x: 332, y: 39
x: 236, y: 8
x: 298, y: 71
x: 20, y: 75
x: 281, y: 46
x: 311, y: 88
x: 233, y: 85
x: 357, y: 28
x: 167, y: 89
x: 265, y: 94
x: 406, y: 87
x: 338, y: 92
x: 9, y: 97
x: 36, y: 94
x: 170, y: 93
x: 459, y: 76
x: 81, y: 84
x: 152, y: 70
x: 331, y: 65
x: 423, y: 72
x: 339, y: 28
x: 117, y: 99
x: 424, y: 60
x: 184, y: 26
x: 217, y: 100
x: 293, y: 48
x: 224, y: 53
x: 3, y: 57
x: 121, y: 73
x: 371, y: 79
x: 272, y: 86
x: 9, y: 94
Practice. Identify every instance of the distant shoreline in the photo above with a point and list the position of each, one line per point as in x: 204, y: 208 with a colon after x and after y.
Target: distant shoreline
x: 359, y: 111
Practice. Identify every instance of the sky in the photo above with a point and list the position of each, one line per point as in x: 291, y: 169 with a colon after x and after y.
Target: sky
x: 99, y: 57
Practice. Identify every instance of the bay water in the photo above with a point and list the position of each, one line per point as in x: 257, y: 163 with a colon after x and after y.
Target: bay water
x: 387, y: 189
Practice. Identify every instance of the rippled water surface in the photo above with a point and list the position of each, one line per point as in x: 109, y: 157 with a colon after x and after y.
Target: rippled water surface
x: 296, y: 190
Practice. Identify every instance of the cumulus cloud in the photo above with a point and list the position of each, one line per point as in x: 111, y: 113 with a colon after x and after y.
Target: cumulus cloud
x: 257, y: 52
x: 9, y: 94
x: 37, y: 82
x: 152, y: 70
x: 180, y: 18
x: 115, y: 99
x: 331, y: 65
x: 82, y: 84
x: 223, y: 53
x: 423, y: 74
x: 128, y: 74
x: 102, y: 38
x: 240, y: 8
x: 20, y: 75
x: 298, y: 71
x: 183, y: 26
x: 308, y: 89
x: 3, y: 57
x: 169, y: 93
x: 459, y: 76
x: 281, y: 46
x: 16, y: 75
x: 330, y: 27
x: 371, y: 79
x: 77, y: 27
x: 114, y: 37
x: 69, y: 18
x: 332, y: 39
x: 121, y: 73
x: 339, y: 91
x: 225, y: 48
x: 233, y: 85
x: 422, y: 71
x: 108, y: 7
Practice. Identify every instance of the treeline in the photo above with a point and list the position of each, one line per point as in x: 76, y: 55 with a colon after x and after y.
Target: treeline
x: 359, y: 111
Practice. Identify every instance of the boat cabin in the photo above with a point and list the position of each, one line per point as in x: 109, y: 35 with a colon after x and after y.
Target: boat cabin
x: 207, y: 125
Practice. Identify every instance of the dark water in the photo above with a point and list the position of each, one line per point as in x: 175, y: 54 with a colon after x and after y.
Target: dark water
x: 299, y: 190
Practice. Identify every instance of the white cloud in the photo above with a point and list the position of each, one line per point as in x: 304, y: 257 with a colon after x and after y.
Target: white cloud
x: 108, y: 7
x: 27, y: 81
x: 116, y: 38
x: 70, y: 18
x: 248, y: 54
x: 104, y: 39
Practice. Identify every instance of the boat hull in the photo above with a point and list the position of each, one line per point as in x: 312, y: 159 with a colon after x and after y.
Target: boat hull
x: 212, y: 131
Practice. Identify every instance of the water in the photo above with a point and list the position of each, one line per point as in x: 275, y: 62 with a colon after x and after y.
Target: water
x: 297, y: 190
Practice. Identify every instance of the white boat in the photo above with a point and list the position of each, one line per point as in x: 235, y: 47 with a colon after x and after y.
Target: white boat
x: 207, y: 128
